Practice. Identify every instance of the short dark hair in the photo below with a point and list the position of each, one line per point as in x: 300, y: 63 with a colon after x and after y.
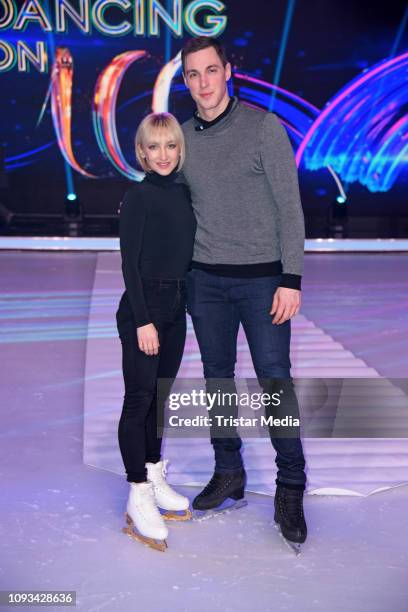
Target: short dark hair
x: 203, y: 42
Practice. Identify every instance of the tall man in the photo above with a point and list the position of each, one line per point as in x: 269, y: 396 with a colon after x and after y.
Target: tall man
x: 247, y: 262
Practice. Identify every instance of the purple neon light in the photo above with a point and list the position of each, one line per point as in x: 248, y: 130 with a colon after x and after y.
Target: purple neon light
x: 340, y: 98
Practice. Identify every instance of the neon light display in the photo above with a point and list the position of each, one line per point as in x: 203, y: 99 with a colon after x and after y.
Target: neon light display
x: 363, y: 130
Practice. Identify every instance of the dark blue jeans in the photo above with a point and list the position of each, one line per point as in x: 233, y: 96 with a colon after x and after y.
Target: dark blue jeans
x: 217, y: 305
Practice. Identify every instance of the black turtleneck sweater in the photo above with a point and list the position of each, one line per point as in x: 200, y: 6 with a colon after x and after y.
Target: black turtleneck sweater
x: 156, y: 230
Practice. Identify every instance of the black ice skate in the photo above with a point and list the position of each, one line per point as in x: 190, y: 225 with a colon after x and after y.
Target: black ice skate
x: 224, y: 492
x: 289, y: 516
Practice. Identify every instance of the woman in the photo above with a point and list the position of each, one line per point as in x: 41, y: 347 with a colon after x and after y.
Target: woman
x: 157, y: 228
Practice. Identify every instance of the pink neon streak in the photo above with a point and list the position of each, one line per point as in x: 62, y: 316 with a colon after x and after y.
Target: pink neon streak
x: 377, y: 129
x: 337, y: 101
x: 285, y: 91
x: 395, y: 128
x: 354, y: 109
x: 379, y: 115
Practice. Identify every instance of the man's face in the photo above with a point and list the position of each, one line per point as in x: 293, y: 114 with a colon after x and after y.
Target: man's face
x: 206, y: 78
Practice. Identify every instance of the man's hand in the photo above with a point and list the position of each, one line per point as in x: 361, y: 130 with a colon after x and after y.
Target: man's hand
x: 285, y: 305
x: 148, y: 339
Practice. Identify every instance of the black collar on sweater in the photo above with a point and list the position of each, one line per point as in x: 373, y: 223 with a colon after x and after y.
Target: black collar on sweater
x: 160, y: 179
x: 202, y: 124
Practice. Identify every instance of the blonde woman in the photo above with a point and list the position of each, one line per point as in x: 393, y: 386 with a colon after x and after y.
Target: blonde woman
x: 157, y: 229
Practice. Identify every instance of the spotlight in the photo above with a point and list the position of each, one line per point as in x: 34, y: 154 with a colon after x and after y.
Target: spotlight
x: 72, y: 215
x: 72, y: 206
x: 338, y: 218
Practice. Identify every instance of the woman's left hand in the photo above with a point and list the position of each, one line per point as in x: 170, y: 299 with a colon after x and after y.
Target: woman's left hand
x: 148, y: 339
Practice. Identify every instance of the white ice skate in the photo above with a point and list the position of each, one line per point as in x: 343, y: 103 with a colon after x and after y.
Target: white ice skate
x: 175, y: 506
x: 142, y: 513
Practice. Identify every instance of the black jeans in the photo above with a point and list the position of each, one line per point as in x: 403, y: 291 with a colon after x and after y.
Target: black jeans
x: 137, y: 431
x: 217, y: 306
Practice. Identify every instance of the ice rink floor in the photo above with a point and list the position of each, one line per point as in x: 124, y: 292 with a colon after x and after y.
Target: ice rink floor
x: 61, y: 520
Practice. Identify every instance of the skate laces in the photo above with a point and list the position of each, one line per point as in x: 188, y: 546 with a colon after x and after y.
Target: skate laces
x: 294, y: 504
x: 147, y: 494
x: 158, y: 470
x: 213, y: 485
x: 147, y: 491
x: 158, y: 477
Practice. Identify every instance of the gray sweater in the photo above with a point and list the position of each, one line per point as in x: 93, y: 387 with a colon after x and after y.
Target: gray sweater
x: 245, y: 194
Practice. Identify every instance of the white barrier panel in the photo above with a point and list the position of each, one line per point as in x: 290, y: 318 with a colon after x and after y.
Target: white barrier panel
x: 334, y: 466
x: 317, y: 245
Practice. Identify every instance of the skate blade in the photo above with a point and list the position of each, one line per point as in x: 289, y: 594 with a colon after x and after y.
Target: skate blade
x: 227, y: 506
x: 173, y: 515
x: 293, y: 546
x: 159, y: 545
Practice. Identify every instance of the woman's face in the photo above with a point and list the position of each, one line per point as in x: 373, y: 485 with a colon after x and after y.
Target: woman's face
x: 161, y: 152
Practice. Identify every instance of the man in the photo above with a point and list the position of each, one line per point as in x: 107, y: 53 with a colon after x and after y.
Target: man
x: 247, y: 262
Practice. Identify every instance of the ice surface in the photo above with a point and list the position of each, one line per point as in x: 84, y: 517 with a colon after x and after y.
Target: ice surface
x: 60, y: 521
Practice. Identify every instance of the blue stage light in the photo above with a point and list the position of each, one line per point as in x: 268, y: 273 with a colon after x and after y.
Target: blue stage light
x: 340, y: 199
x: 71, y: 197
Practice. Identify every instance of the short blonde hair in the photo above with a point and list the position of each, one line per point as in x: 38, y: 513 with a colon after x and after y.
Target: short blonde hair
x: 155, y: 122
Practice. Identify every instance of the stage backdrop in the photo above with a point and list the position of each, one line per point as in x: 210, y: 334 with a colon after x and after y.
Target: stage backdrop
x: 77, y: 77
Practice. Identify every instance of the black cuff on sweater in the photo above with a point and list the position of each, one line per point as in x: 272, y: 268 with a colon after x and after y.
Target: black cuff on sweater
x: 142, y: 322
x: 291, y: 281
